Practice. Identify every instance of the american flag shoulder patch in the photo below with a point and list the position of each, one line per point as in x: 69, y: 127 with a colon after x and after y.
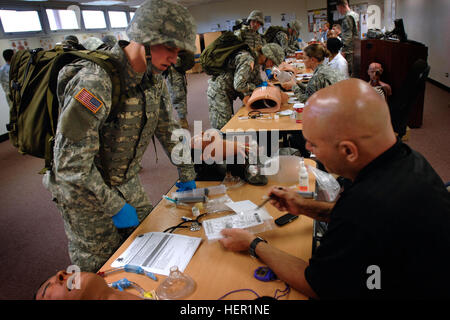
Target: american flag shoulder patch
x: 88, y: 100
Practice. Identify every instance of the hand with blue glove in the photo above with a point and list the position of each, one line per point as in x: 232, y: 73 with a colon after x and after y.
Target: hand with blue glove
x: 185, y: 186
x: 263, y: 84
x: 126, y: 217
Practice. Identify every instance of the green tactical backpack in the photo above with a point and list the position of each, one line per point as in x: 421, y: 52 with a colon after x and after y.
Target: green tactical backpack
x: 185, y: 62
x: 271, y: 32
x: 34, y: 113
x: 215, y: 57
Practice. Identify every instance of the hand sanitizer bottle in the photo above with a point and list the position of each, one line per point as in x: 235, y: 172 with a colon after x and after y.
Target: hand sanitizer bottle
x: 303, y: 179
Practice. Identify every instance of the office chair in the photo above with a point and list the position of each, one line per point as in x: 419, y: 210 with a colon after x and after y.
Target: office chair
x: 402, y: 101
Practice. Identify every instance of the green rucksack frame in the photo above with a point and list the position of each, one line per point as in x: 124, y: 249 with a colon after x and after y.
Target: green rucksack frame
x: 33, y: 79
x: 271, y: 32
x: 215, y: 57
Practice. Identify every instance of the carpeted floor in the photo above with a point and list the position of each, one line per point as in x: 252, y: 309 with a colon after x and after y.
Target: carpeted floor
x: 33, y: 242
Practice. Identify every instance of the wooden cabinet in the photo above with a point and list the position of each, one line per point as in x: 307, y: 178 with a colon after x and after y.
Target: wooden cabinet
x: 396, y: 59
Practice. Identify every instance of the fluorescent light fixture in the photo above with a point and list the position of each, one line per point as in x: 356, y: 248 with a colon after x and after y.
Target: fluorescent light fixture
x: 103, y: 3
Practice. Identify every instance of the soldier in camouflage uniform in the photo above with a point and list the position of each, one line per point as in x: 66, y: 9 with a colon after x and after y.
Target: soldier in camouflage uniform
x: 287, y: 38
x: 249, y: 33
x: 4, y: 75
x: 177, y: 85
x: 70, y: 41
x: 109, y: 40
x: 349, y: 32
x: 93, y: 43
x: 294, y: 28
x: 240, y: 78
x: 94, y: 179
x: 323, y: 75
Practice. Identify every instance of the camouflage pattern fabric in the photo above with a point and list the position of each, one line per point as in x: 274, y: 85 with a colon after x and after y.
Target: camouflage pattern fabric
x: 293, y: 37
x: 177, y: 85
x: 282, y: 39
x: 293, y: 43
x: 240, y: 79
x: 96, y: 162
x: 349, y: 33
x: 109, y: 40
x: 4, y: 81
x: 92, y: 43
x: 274, y: 52
x: 256, y: 15
x: 170, y: 23
x: 253, y: 38
x: 323, y: 76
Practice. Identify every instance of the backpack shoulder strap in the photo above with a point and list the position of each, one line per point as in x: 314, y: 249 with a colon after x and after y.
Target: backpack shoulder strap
x: 107, y: 62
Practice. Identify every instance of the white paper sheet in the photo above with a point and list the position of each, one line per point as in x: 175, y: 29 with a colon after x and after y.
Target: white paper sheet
x: 246, y: 217
x: 157, y: 252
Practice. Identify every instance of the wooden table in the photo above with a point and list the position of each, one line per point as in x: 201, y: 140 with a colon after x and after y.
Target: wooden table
x: 215, y: 270
x: 283, y: 123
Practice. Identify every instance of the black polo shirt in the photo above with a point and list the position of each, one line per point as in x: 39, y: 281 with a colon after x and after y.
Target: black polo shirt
x: 389, y: 231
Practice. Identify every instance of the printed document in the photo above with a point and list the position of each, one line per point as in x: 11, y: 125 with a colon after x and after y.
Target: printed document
x: 157, y: 251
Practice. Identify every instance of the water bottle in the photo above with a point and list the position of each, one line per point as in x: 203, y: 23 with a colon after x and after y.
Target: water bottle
x: 282, y: 76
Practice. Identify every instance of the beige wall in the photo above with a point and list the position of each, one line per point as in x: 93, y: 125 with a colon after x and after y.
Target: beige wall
x: 429, y: 22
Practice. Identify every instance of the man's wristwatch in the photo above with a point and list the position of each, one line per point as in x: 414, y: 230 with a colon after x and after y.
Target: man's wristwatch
x: 253, y: 245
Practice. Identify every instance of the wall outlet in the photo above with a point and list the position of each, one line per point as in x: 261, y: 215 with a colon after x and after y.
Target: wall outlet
x: 446, y: 74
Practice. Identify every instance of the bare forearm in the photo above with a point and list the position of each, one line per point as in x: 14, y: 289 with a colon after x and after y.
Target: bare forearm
x: 318, y: 210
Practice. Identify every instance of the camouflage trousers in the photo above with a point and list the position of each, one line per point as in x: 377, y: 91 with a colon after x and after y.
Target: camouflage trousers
x: 176, y: 83
x: 91, y: 233
x: 220, y: 102
x: 349, y: 58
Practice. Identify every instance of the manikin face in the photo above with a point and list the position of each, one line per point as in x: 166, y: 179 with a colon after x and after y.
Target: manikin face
x: 374, y: 72
x: 163, y: 56
x: 255, y: 25
x: 63, y: 286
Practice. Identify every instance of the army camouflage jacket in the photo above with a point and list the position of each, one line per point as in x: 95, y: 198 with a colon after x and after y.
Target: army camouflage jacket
x: 349, y: 30
x: 242, y: 75
x: 93, y: 158
x: 254, y: 39
x: 322, y: 77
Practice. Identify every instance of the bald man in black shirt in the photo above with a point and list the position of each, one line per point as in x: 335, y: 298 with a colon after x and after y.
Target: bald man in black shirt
x: 389, y: 232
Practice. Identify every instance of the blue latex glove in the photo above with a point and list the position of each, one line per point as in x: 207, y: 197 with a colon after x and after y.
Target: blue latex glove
x: 263, y: 84
x: 126, y: 217
x: 184, y: 186
x: 269, y: 73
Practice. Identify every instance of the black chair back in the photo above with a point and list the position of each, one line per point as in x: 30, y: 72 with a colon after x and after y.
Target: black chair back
x: 402, y: 101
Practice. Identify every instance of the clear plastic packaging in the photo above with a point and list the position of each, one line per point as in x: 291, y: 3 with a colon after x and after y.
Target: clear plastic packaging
x: 176, y: 286
x: 328, y: 187
x: 199, y: 192
x: 218, y: 204
x: 282, y: 76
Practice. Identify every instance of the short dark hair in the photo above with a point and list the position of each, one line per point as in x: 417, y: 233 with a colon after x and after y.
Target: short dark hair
x: 337, y: 25
x: 334, y: 45
x: 7, y: 54
x: 342, y: 2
